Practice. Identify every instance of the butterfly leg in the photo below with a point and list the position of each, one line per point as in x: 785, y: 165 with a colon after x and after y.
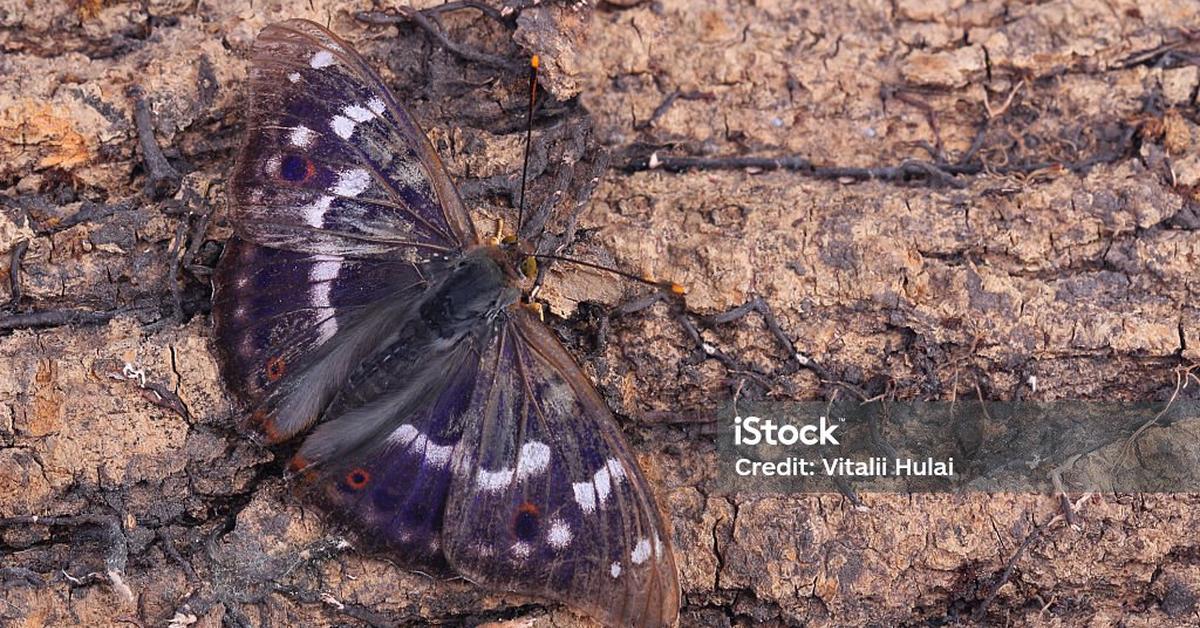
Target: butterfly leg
x: 495, y: 240
x: 757, y: 304
x: 16, y: 255
x: 707, y: 350
x: 537, y: 309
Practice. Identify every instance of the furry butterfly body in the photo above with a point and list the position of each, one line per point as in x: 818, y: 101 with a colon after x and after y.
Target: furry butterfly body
x: 356, y: 305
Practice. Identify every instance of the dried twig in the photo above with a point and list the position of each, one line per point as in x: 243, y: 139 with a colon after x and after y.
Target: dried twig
x: 15, y: 257
x: 999, y: 111
x: 408, y: 14
x: 118, y: 549
x: 1182, y: 375
x: 994, y: 590
x: 910, y: 170
x: 54, y: 318
x: 666, y: 104
x: 162, y: 180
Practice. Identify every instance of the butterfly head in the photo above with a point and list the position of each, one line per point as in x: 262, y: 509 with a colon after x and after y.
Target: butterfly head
x: 519, y: 259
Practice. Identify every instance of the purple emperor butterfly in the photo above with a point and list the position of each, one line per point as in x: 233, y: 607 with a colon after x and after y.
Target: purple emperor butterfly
x: 444, y: 421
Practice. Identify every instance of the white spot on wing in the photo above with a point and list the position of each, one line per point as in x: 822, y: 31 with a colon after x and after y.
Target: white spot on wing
x: 403, y: 435
x: 585, y: 496
x: 493, y: 480
x: 301, y: 136
x: 602, y: 484
x: 615, y: 569
x: 535, y: 457
x: 321, y: 299
x: 294, y: 77
x: 328, y: 328
x: 437, y: 456
x: 377, y: 105
x: 322, y: 275
x: 314, y: 213
x: 351, y: 182
x: 559, y: 534
x: 326, y: 268
x: 640, y: 552
x: 343, y: 126
x: 358, y: 113
x: 616, y: 469
x: 321, y: 59
x: 521, y: 550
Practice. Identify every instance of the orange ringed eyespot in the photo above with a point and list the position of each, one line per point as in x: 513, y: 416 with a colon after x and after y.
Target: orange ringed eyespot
x: 358, y: 478
x: 275, y: 368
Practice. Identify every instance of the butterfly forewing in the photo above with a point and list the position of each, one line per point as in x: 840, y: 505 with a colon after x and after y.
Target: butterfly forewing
x: 332, y: 164
x: 546, y: 498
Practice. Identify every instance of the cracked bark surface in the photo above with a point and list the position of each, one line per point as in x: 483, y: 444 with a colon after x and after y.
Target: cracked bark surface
x: 1070, y: 260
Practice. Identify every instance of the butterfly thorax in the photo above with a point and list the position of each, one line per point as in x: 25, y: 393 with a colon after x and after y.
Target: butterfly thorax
x: 478, y: 286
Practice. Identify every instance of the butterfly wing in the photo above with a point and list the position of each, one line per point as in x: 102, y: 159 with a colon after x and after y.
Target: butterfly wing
x: 272, y: 306
x: 332, y: 164
x: 338, y: 203
x: 546, y: 498
x: 382, y: 460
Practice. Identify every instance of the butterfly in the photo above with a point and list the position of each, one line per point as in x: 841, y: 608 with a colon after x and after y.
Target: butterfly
x: 356, y: 305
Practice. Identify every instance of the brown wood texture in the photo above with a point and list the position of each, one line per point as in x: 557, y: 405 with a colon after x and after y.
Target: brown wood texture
x: 985, y: 198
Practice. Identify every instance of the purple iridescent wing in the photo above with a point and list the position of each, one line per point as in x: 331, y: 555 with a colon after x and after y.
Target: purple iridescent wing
x: 272, y: 307
x: 381, y: 462
x: 546, y: 498
x: 332, y: 164
x: 338, y: 203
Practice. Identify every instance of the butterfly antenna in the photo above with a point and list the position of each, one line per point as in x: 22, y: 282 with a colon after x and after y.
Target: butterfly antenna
x: 670, y: 286
x: 533, y: 70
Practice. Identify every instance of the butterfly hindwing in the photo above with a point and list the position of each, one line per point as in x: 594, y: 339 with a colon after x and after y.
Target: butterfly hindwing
x: 546, y: 499
x: 273, y: 306
x: 383, y: 460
